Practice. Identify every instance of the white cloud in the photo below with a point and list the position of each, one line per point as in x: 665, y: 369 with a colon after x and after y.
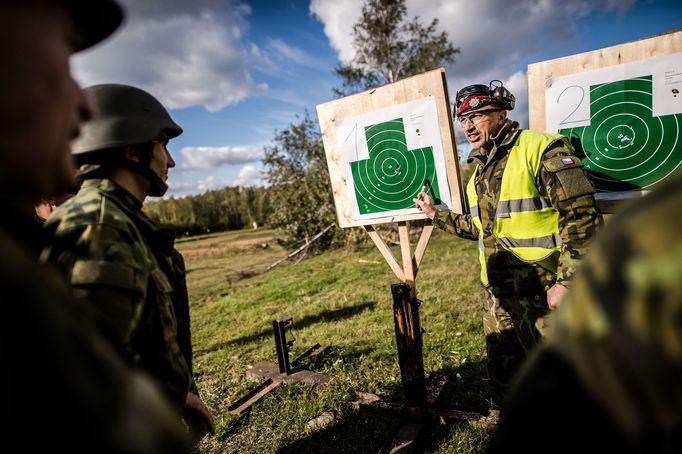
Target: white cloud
x: 284, y: 51
x: 184, y: 53
x: 496, y: 37
x: 250, y: 175
x: 193, y: 187
x: 205, y: 157
x: 338, y: 18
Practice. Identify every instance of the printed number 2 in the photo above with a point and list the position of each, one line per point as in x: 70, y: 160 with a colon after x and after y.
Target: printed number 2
x: 580, y: 93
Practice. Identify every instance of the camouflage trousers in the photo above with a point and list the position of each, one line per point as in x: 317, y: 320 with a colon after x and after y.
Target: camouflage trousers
x: 512, y: 325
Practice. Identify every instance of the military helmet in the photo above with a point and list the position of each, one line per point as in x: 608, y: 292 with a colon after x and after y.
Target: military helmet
x: 94, y: 20
x: 475, y: 97
x: 124, y: 115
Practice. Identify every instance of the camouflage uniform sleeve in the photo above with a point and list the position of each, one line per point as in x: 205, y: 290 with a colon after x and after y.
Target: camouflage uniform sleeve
x: 565, y: 184
x: 181, y: 307
x: 457, y: 224
x: 100, y: 263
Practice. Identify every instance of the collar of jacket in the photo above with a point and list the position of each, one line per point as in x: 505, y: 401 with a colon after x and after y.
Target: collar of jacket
x: 160, y: 237
x: 503, y: 140
x: 115, y: 192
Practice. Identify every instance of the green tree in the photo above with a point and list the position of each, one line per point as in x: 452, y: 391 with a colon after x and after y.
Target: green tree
x: 389, y: 47
x: 301, y: 200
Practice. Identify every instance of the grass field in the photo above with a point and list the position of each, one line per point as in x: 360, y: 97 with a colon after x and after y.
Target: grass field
x: 341, y: 299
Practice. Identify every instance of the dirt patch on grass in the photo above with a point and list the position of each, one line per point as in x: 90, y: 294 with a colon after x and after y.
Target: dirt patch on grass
x: 199, y: 252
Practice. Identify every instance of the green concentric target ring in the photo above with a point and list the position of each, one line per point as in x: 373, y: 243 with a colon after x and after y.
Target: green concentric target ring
x: 625, y: 147
x: 393, y: 175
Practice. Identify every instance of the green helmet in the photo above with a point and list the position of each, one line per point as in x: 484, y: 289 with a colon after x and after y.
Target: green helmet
x: 124, y: 115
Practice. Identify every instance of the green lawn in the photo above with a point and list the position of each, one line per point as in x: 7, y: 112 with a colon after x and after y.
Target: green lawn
x: 341, y: 299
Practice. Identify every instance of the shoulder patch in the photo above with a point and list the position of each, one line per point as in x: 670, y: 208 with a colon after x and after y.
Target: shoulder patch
x: 99, y: 272
x: 558, y: 163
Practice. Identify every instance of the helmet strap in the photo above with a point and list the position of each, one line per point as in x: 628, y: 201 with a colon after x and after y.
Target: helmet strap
x: 101, y: 166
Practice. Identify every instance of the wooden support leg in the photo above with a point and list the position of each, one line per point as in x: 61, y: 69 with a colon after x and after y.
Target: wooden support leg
x: 408, y: 337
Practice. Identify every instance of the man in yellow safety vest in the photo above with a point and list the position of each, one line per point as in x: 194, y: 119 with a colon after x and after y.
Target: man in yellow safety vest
x: 532, y: 212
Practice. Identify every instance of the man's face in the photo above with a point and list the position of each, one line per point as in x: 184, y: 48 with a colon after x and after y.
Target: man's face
x: 481, y: 125
x: 42, y: 106
x: 161, y: 158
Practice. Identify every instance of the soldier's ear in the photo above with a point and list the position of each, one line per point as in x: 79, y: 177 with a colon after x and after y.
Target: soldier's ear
x: 132, y: 154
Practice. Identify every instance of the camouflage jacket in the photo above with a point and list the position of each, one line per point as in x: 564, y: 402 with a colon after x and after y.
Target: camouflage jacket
x: 621, y: 326
x: 120, y: 265
x: 611, y: 369
x: 566, y: 187
x: 59, y: 365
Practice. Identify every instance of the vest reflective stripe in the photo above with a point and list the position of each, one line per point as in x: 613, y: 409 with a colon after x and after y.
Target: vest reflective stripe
x: 481, y: 257
x: 506, y: 207
x: 546, y: 242
x: 525, y: 224
x: 476, y: 219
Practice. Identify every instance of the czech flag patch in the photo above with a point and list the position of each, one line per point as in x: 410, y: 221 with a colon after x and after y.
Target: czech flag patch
x: 567, y: 161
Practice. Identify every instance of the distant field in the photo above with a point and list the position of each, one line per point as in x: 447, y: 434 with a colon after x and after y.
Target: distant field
x: 341, y: 299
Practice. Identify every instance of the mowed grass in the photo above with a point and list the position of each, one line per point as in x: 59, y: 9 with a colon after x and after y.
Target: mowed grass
x: 341, y: 299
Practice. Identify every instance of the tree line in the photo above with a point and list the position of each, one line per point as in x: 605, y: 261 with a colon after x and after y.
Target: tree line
x: 229, y: 208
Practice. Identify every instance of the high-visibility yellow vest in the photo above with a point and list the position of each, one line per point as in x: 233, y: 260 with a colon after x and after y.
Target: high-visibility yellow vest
x: 525, y: 224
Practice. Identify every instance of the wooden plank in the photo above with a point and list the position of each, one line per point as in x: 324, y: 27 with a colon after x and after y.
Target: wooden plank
x: 429, y: 84
x: 539, y: 73
x: 385, y: 252
x: 243, y: 405
x: 405, y: 439
x: 435, y: 384
x: 421, y: 247
x: 408, y: 267
x: 446, y: 412
x: 544, y: 74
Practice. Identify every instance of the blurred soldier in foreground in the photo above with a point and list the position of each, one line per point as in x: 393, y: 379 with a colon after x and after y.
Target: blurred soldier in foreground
x: 532, y: 212
x: 122, y: 266
x: 68, y: 391
x: 609, y: 378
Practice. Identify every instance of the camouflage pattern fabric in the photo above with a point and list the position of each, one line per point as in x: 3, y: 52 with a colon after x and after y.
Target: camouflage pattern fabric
x: 616, y: 347
x: 120, y: 267
x: 181, y: 307
x: 68, y: 389
x: 518, y: 284
x: 512, y: 326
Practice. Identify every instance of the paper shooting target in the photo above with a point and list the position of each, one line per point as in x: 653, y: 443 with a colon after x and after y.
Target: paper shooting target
x: 393, y: 175
x: 625, y: 146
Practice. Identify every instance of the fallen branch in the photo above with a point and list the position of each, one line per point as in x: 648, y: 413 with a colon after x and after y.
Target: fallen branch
x: 302, y: 248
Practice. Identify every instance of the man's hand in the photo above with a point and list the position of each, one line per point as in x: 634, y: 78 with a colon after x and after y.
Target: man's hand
x: 424, y: 203
x: 555, y: 295
x: 198, y: 418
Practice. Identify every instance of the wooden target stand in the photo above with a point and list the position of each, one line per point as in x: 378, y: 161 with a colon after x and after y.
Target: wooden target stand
x: 421, y: 393
x: 422, y: 101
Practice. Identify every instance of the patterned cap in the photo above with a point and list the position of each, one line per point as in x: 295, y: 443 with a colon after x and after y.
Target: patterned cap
x: 474, y: 102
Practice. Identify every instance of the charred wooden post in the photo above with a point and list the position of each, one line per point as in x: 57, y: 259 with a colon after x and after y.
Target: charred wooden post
x: 408, y: 336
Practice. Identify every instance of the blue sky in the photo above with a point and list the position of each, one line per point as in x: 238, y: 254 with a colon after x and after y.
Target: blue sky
x: 233, y: 72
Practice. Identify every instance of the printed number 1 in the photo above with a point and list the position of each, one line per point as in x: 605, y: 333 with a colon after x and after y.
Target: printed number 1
x: 355, y: 138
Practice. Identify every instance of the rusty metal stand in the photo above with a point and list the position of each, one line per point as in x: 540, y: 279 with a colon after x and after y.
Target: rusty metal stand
x: 283, y: 372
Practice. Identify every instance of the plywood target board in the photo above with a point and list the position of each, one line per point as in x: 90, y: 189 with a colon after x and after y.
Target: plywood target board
x: 624, y: 117
x: 386, y: 145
